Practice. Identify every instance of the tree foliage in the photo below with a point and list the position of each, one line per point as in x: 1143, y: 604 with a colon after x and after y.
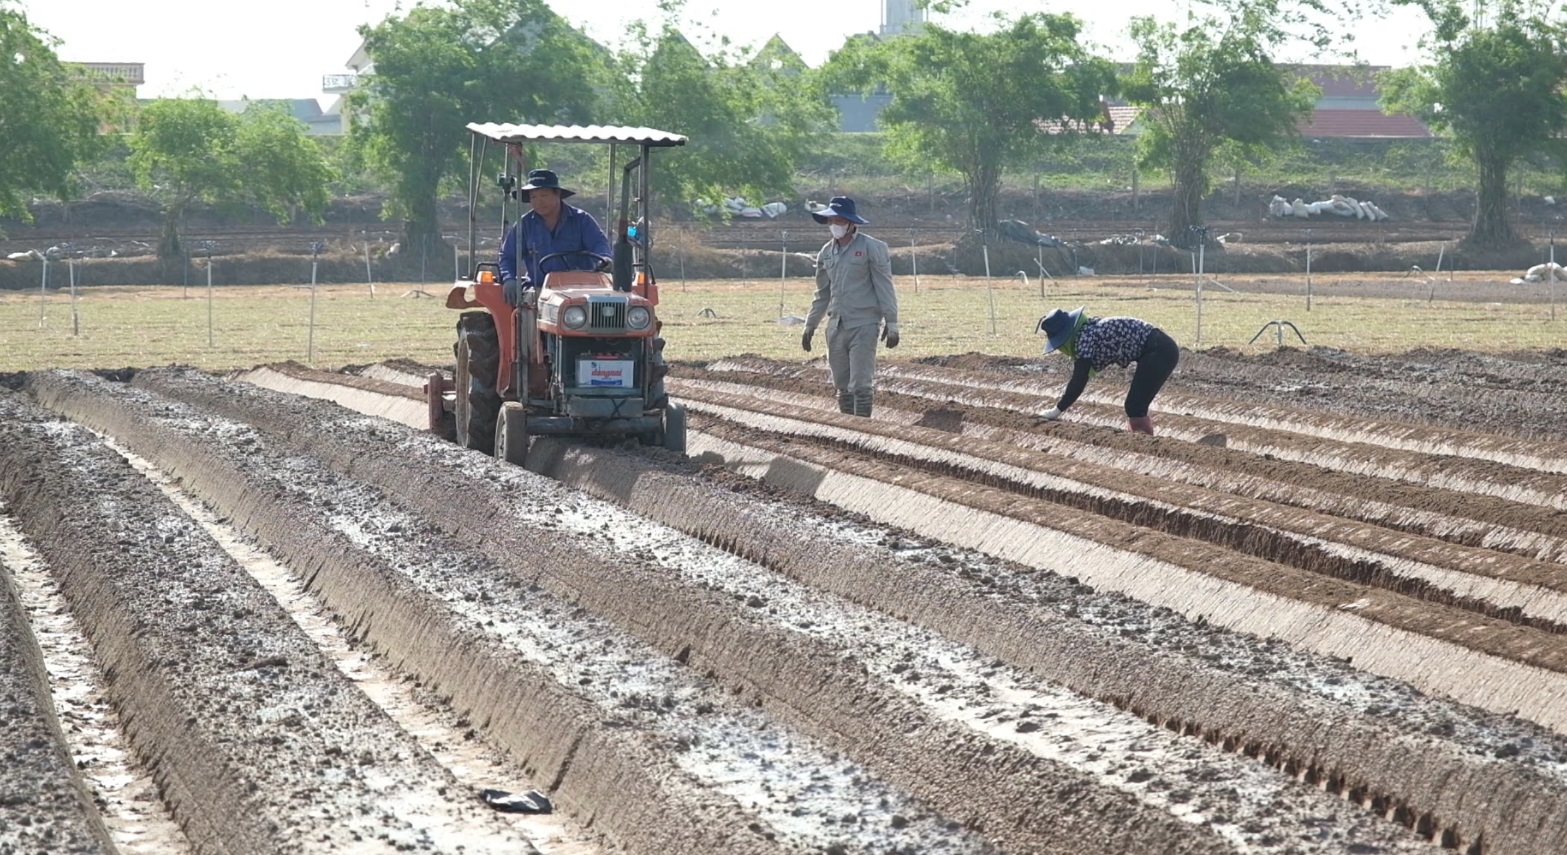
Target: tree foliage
x: 748, y: 119
x: 438, y: 69
x: 974, y: 104
x: 1498, y: 87
x: 188, y: 150
x: 1208, y: 86
x: 48, y: 116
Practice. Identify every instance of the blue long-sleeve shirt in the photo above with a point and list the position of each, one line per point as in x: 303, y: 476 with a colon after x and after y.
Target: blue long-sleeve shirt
x: 575, y: 229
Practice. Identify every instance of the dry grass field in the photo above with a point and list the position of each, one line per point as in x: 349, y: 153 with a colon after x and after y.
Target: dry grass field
x: 233, y: 326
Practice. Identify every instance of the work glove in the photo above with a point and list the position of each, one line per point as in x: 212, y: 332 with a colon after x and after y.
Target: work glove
x: 1049, y: 415
x: 889, y: 334
x: 519, y: 291
x: 805, y: 340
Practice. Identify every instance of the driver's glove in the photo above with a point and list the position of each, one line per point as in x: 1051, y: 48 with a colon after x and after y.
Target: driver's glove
x: 519, y: 291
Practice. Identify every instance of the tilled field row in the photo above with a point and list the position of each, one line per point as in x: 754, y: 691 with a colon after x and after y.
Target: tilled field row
x: 1526, y: 471
x: 256, y: 743
x: 676, y: 696
x: 1388, y: 632
x: 1297, y: 531
x: 795, y: 676
x: 1019, y: 799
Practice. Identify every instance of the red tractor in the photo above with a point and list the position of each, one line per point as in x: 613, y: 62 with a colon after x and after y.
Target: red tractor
x: 585, y: 359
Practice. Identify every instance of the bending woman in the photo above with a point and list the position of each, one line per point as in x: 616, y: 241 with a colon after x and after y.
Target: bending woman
x: 1097, y: 343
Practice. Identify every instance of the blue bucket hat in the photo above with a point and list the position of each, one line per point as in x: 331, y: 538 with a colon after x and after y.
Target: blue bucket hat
x: 1058, y: 326
x: 840, y: 206
x: 544, y: 179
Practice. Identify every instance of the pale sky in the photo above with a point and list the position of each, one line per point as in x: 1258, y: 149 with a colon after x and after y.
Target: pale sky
x: 282, y: 48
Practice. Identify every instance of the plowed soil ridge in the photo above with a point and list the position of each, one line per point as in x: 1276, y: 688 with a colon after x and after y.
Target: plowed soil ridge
x: 1226, y: 699
x: 256, y: 743
x: 1455, y: 516
x: 1315, y: 641
x: 631, y: 792
x: 1516, y: 470
x: 802, y: 681
x: 814, y: 481
x: 44, y: 805
x: 1517, y: 590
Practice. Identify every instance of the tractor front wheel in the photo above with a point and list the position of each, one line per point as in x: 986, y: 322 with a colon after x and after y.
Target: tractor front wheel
x: 478, y: 366
x: 511, y: 434
x: 675, y: 427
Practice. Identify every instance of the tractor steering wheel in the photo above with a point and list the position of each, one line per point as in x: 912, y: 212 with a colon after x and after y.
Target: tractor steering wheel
x: 604, y: 261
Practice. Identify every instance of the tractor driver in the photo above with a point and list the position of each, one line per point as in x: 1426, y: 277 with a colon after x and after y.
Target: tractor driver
x: 551, y: 226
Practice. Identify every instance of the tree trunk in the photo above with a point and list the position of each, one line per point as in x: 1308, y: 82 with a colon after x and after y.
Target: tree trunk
x: 422, y: 230
x: 169, y: 242
x: 1187, y: 210
x: 1493, y: 225
x: 984, y: 184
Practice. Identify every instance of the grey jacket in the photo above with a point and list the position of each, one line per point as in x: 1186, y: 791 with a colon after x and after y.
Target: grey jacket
x: 854, y: 284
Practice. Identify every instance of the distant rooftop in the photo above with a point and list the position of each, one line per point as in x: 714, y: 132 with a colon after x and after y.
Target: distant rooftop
x: 132, y: 73
x: 1362, y: 123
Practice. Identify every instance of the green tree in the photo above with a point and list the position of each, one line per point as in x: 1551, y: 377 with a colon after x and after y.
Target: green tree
x: 1496, y: 87
x: 48, y: 117
x: 748, y: 119
x: 974, y: 104
x: 295, y: 168
x: 1210, y: 86
x: 438, y: 69
x: 189, y: 150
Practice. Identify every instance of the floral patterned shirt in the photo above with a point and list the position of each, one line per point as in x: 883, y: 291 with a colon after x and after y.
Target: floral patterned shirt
x: 1112, y: 341
x: 1101, y: 343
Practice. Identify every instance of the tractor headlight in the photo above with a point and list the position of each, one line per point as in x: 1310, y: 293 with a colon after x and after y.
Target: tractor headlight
x: 638, y: 318
x: 574, y: 317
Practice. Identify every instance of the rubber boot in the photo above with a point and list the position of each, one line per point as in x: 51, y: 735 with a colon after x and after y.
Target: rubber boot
x: 862, y: 404
x: 1142, y: 425
x: 846, y: 402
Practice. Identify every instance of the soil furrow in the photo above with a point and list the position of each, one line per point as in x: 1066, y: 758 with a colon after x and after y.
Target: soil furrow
x: 605, y: 773
x: 1226, y: 699
x: 803, y: 682
x: 1462, y: 517
x: 1438, y: 649
x: 257, y: 744
x: 1501, y: 586
x: 1442, y: 458
x: 1529, y: 455
x: 122, y: 789
x: 44, y: 804
x: 1517, y: 470
x: 1414, y: 816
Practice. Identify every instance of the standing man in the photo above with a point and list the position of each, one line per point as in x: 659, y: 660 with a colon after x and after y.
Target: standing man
x: 854, y: 291
x: 551, y: 226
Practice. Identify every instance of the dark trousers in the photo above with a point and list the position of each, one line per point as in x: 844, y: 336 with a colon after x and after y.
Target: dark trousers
x: 1154, y: 366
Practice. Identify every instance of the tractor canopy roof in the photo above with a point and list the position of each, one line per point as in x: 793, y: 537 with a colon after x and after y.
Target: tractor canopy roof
x: 508, y: 133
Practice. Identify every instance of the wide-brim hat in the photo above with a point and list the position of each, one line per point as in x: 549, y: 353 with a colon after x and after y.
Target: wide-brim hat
x: 544, y: 179
x: 1058, y: 326
x: 840, y: 206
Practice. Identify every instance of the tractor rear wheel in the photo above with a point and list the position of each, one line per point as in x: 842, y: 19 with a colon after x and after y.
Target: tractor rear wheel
x: 478, y: 365
x: 511, y: 434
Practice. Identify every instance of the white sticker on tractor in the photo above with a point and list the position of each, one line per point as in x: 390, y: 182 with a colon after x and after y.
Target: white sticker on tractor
x: 605, y: 372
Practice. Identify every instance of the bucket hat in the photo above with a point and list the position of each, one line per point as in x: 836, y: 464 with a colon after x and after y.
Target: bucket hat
x: 544, y: 179
x: 1058, y: 326
x: 840, y: 206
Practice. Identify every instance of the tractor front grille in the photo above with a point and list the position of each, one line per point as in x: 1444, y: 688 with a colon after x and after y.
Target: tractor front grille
x: 607, y: 315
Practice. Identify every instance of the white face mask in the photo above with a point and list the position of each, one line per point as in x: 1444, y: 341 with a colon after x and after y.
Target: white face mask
x: 838, y: 231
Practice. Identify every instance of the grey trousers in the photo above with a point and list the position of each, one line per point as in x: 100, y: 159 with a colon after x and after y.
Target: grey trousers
x: 851, y: 354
